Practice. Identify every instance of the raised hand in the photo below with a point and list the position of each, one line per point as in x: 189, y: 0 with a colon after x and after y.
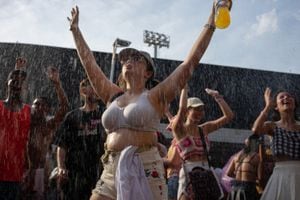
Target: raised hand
x: 213, y: 93
x: 74, y: 18
x: 62, y: 177
x: 268, y: 98
x: 20, y: 63
x: 53, y: 74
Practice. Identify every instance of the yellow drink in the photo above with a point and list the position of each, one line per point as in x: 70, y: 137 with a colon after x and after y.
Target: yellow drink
x: 222, y: 17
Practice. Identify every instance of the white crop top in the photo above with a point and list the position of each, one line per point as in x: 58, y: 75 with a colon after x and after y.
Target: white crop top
x: 139, y: 115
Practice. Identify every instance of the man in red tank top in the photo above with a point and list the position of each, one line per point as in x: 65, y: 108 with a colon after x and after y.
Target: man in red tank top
x: 14, y: 134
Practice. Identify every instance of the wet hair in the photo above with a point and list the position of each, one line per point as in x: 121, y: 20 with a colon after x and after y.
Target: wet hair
x: 276, y: 114
x: 121, y: 82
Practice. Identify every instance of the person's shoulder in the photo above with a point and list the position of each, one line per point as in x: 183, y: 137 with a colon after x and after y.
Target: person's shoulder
x: 238, y: 155
x: 1, y: 104
x: 26, y: 107
x: 270, y: 123
x: 270, y: 126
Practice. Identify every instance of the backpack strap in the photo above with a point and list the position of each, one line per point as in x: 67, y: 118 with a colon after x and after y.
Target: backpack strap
x: 204, y: 145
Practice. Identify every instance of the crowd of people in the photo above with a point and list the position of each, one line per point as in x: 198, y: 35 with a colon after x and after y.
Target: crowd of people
x: 110, y: 147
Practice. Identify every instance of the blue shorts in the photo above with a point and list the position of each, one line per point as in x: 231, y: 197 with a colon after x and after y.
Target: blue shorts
x: 173, y: 187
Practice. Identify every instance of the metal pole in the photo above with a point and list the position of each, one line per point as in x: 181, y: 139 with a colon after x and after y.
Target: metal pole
x: 113, y: 62
x: 117, y: 43
x: 155, y: 51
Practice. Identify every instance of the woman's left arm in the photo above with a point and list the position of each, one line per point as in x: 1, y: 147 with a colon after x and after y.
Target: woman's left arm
x: 177, y: 127
x: 166, y: 91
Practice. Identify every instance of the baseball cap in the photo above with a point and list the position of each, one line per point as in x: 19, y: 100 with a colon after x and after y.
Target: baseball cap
x: 130, y: 51
x: 194, y: 102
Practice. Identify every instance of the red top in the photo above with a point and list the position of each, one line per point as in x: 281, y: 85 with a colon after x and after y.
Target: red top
x: 14, y: 133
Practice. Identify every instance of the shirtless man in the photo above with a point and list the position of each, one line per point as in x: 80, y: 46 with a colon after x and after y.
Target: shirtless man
x: 42, y: 130
x: 246, y: 168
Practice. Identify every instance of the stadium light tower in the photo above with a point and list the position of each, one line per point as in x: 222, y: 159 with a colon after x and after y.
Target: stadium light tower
x: 117, y: 43
x: 157, y: 40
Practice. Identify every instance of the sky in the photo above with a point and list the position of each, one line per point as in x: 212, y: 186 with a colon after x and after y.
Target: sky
x: 263, y: 34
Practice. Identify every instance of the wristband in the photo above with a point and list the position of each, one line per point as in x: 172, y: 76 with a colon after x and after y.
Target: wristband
x: 210, y: 27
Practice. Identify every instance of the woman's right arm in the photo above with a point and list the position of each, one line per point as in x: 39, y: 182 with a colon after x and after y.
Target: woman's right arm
x: 104, y: 88
x: 260, y: 125
x: 179, y: 120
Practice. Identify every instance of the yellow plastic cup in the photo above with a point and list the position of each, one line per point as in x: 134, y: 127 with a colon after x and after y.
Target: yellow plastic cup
x: 222, y: 18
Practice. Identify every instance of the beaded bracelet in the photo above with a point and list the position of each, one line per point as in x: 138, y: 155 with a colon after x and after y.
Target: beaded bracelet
x: 210, y: 27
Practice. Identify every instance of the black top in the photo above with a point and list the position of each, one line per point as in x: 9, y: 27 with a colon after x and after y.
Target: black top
x: 82, y: 136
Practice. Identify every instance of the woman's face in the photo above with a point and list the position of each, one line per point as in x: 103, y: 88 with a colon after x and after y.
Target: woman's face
x: 196, y: 114
x: 135, y: 66
x: 285, y: 102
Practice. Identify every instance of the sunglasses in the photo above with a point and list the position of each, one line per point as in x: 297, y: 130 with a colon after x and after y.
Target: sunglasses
x: 132, y: 58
